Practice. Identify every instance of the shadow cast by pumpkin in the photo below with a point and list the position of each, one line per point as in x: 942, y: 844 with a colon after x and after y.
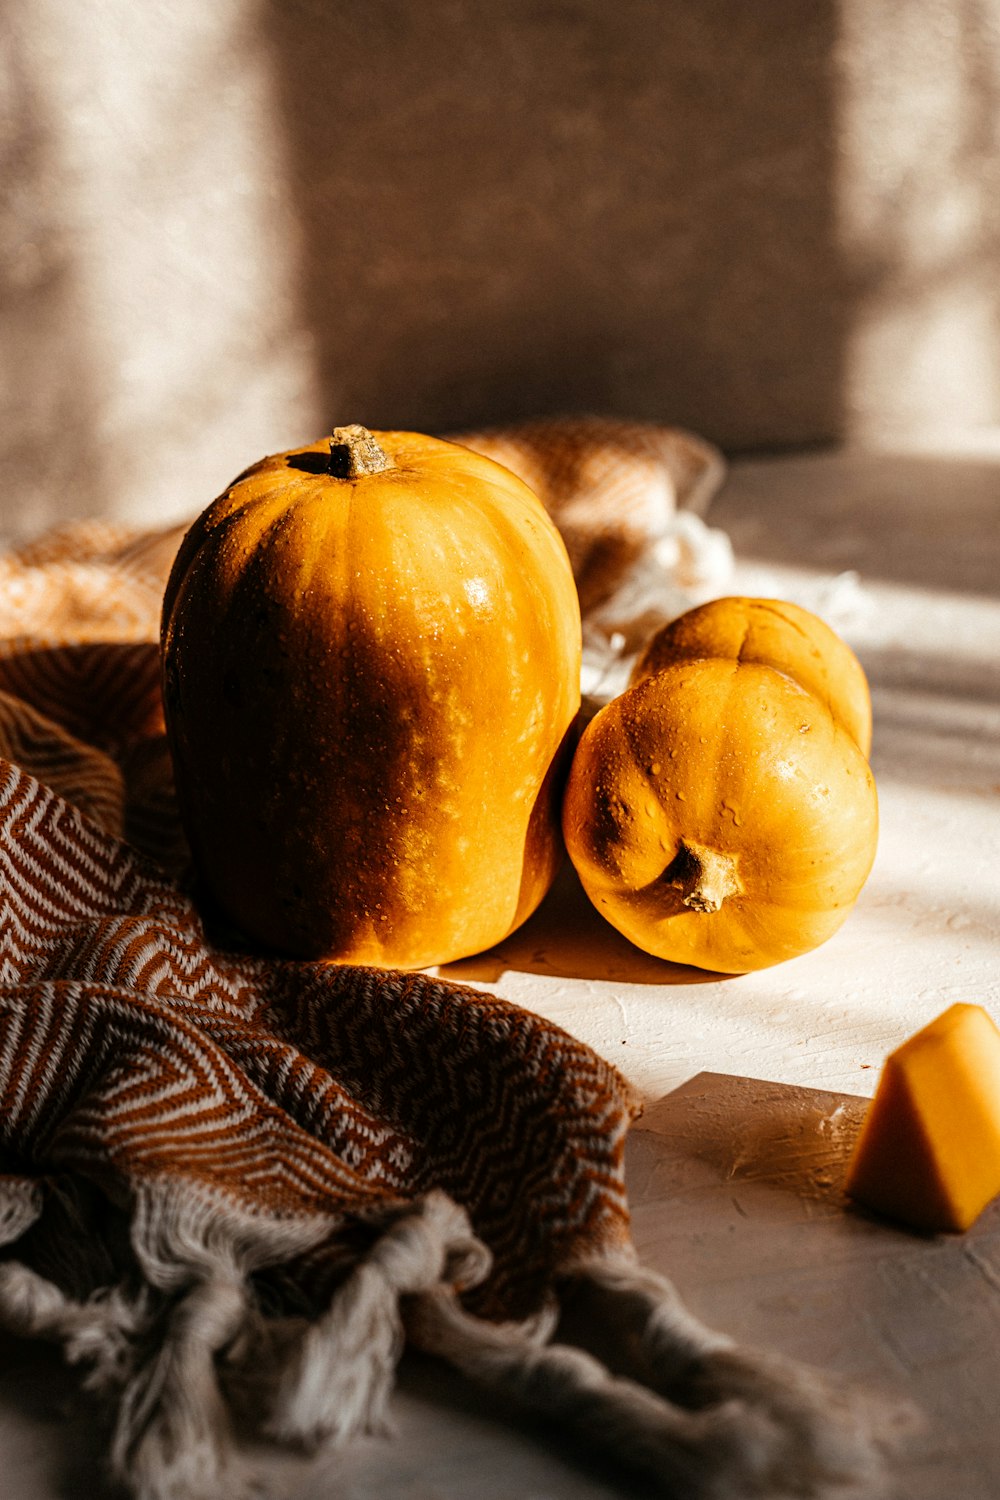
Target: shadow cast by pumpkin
x: 568, y: 938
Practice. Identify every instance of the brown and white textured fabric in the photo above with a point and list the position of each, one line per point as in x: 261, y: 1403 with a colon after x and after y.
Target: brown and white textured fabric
x: 232, y: 1181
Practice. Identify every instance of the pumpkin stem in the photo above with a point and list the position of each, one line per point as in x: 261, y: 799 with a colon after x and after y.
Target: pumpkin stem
x: 355, y: 452
x: 704, y: 877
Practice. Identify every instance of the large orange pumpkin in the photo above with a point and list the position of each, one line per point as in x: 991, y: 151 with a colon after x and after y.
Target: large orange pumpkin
x: 371, y: 656
x: 720, y: 814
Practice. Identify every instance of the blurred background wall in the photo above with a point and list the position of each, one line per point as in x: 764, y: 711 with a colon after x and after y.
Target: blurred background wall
x: 228, y: 226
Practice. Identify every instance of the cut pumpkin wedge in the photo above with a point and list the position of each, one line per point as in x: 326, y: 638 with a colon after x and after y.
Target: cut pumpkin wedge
x: 928, y: 1154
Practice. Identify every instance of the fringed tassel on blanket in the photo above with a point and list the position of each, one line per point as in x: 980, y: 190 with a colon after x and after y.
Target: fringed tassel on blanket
x: 700, y: 1416
x: 633, y: 1373
x: 339, y: 1377
x: 166, y: 1351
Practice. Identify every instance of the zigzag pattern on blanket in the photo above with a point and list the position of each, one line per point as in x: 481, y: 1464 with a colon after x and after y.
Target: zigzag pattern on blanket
x: 296, y: 1089
x: 83, y: 774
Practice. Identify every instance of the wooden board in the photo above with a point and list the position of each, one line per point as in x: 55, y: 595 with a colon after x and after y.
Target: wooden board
x: 737, y: 1190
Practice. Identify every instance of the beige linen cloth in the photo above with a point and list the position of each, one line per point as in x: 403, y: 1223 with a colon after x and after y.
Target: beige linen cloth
x: 235, y: 1184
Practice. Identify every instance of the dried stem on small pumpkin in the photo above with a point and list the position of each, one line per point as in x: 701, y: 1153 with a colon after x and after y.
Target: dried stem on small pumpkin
x: 355, y: 452
x: 704, y: 877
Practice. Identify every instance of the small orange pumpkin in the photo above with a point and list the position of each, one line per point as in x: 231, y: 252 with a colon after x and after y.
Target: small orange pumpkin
x: 720, y: 814
x: 773, y: 633
x: 371, y: 657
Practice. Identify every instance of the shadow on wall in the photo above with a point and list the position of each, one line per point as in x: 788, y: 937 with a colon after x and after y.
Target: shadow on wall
x: 543, y: 207
x: 229, y: 226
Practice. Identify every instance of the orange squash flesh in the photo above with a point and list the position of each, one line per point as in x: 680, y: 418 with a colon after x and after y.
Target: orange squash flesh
x: 371, y: 679
x: 928, y: 1154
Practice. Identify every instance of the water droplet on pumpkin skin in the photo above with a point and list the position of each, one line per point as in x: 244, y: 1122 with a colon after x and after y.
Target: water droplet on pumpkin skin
x: 655, y: 768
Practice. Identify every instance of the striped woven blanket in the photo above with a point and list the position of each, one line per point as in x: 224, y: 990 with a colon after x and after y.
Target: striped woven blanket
x: 235, y: 1182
